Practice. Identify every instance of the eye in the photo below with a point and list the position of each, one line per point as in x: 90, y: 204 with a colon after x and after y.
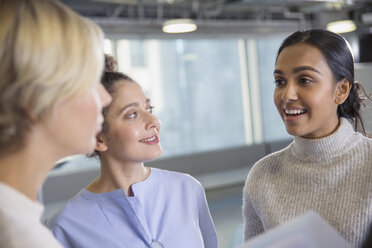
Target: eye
x: 132, y: 115
x: 150, y: 109
x: 279, y: 82
x: 305, y: 81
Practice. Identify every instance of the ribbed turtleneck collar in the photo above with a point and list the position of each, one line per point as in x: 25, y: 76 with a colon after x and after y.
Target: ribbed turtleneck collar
x: 315, y: 150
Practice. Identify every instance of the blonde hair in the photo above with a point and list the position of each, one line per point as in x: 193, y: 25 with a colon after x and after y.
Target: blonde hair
x: 48, y: 54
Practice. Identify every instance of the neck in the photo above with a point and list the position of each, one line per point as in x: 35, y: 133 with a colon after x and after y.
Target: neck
x: 326, y: 148
x: 25, y: 170
x: 118, y: 174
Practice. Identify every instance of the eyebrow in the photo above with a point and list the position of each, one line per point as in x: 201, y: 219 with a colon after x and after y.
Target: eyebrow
x: 134, y: 104
x: 298, y: 69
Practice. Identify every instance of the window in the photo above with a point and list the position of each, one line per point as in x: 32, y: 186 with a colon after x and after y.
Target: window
x: 267, y: 49
x: 195, y: 86
x: 209, y: 94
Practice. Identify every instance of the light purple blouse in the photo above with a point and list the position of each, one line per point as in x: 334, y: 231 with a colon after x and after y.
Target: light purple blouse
x: 168, y: 210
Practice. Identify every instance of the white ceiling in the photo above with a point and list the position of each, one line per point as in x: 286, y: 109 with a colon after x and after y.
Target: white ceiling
x: 224, y: 17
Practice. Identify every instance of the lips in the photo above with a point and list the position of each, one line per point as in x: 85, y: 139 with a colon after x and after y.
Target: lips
x: 293, y: 113
x: 150, y: 140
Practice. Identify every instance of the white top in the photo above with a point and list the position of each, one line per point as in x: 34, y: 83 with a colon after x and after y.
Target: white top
x: 331, y: 176
x: 20, y: 224
x: 308, y: 230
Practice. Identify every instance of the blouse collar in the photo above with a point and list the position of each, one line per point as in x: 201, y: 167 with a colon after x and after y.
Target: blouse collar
x: 137, y: 188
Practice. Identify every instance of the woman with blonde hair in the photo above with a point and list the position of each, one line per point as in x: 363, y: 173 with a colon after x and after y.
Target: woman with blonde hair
x: 50, y: 106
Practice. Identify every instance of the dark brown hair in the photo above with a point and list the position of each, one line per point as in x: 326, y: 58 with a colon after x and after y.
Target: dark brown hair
x: 111, y: 64
x: 111, y: 78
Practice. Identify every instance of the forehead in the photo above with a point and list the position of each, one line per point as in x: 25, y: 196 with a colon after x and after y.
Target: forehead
x: 128, y: 92
x: 301, y: 54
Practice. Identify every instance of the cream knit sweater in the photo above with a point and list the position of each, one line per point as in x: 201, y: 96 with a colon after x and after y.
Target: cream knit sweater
x: 331, y: 175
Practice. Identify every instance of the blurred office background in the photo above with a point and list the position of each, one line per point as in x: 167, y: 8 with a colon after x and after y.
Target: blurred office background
x: 211, y: 88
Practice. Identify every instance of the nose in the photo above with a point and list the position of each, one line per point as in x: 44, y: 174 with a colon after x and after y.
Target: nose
x: 104, y: 96
x: 152, y: 122
x: 289, y: 92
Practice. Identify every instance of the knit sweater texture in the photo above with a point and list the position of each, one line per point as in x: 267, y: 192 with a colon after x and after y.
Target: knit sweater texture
x: 330, y: 175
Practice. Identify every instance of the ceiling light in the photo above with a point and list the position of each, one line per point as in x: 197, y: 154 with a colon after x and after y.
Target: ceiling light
x: 340, y: 27
x: 179, y: 26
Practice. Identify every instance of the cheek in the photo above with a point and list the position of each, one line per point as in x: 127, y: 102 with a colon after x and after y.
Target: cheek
x: 96, y: 105
x: 126, y: 134
x: 90, y: 107
x: 277, y: 100
x: 135, y: 134
x: 321, y: 100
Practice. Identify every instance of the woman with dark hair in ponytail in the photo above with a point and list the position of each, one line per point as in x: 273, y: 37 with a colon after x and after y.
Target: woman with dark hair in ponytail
x: 130, y: 204
x: 327, y: 168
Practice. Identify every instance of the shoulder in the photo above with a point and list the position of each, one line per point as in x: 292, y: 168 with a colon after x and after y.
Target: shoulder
x: 365, y: 140
x: 355, y: 139
x: 73, y: 209
x: 271, y: 161
x: 8, y: 227
x: 360, y: 144
x: 174, y: 178
x: 363, y: 150
x: 267, y: 167
x: 34, y: 233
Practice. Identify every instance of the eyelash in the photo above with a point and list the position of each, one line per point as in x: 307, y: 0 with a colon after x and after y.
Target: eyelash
x: 301, y: 81
x: 277, y: 84
x: 151, y: 108
x: 134, y: 114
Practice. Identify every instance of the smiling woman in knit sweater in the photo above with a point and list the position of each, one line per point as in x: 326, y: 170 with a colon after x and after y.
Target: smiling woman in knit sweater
x: 327, y: 166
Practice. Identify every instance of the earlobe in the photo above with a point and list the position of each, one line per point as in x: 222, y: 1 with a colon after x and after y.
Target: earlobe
x: 30, y: 114
x: 101, y: 144
x: 342, y: 91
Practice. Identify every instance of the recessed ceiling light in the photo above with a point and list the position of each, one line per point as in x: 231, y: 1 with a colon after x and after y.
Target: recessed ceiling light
x: 179, y: 26
x: 340, y: 27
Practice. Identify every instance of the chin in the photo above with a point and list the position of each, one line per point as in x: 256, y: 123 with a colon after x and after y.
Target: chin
x: 88, y: 147
x: 294, y: 132
x: 158, y: 154
x: 154, y: 155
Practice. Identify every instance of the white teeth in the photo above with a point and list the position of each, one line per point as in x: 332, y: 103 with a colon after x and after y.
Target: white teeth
x: 294, y: 111
x: 150, y: 139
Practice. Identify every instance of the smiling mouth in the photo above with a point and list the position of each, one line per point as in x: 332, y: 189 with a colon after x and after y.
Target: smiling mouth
x: 294, y: 112
x: 152, y: 140
x: 149, y: 139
